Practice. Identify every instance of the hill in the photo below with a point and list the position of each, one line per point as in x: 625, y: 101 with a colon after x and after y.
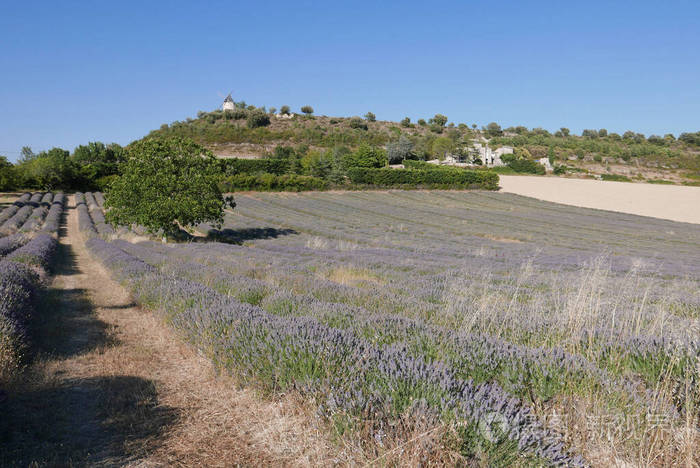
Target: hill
x: 250, y: 132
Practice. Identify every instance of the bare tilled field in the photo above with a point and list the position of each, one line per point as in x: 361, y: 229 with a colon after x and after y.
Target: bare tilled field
x: 673, y: 202
x: 439, y: 326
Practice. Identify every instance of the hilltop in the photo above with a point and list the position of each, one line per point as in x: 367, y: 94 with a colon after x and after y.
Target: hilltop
x: 250, y: 132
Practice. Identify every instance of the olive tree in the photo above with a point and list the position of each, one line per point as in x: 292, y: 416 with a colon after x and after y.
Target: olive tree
x: 439, y: 120
x: 399, y: 150
x: 165, y: 184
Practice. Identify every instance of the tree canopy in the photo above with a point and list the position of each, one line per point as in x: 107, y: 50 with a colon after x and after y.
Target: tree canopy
x: 166, y: 184
x: 366, y: 156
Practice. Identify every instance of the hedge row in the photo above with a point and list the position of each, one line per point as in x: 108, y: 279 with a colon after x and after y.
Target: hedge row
x: 432, y: 178
x: 414, y: 164
x: 235, y: 166
x: 272, y: 183
x: 527, y: 166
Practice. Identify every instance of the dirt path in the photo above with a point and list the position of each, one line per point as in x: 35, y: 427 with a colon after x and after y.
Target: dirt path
x: 111, y: 385
x: 674, y: 202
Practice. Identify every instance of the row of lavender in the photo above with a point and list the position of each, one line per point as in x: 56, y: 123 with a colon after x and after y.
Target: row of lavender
x: 451, y: 285
x: 620, y: 292
x: 22, y: 273
x: 27, y: 216
x: 348, y: 375
x: 90, y: 215
x: 534, y: 374
x: 451, y: 271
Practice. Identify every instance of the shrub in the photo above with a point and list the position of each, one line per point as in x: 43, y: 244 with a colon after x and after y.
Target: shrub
x: 436, y: 128
x: 527, y: 166
x: 308, y: 110
x: 370, y: 117
x: 413, y: 164
x: 615, y: 178
x: 237, y: 114
x: 358, y: 123
x: 276, y: 166
x: 508, y: 158
x: 435, y: 178
x: 284, y: 110
x: 272, y: 183
x: 422, y: 122
x: 258, y: 118
x: 366, y: 156
x: 406, y: 122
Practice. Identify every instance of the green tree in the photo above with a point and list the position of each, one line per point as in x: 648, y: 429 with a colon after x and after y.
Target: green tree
x: 27, y: 154
x: 8, y: 176
x: 96, y: 159
x: 308, y: 110
x: 406, y: 122
x: 166, y: 183
x: 442, y: 146
x: 49, y: 170
x: 356, y: 122
x: 258, y: 118
x: 439, y: 120
x: 399, y: 150
x: 493, y: 130
x: 284, y: 110
x: 370, y: 117
x: 366, y: 156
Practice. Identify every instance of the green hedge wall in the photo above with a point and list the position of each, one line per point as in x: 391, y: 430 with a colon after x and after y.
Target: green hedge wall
x: 434, y: 178
x: 528, y: 166
x: 272, y: 183
x: 413, y: 164
x: 236, y: 166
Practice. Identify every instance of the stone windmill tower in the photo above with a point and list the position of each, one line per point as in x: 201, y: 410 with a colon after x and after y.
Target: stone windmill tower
x: 228, y: 103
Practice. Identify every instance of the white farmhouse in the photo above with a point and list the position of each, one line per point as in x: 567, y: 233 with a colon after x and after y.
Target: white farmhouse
x: 545, y: 162
x: 491, y: 157
x: 228, y: 103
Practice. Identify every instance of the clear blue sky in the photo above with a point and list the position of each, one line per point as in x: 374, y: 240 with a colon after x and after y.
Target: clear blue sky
x: 72, y: 72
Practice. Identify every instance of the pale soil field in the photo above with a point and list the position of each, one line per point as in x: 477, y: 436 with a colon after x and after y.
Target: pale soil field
x: 677, y: 203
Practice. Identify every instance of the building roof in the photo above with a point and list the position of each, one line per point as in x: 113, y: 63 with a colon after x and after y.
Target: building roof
x: 228, y: 98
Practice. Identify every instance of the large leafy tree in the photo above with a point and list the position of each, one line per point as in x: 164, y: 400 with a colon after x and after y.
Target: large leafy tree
x: 48, y: 170
x: 97, y: 159
x: 166, y: 184
x: 8, y: 177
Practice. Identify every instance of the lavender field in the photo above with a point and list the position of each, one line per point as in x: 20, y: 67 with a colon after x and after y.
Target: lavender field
x: 28, y: 232
x: 487, y: 326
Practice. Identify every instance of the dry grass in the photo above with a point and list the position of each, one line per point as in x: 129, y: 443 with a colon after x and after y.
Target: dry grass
x: 351, y: 276
x: 120, y: 388
x: 604, y: 434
